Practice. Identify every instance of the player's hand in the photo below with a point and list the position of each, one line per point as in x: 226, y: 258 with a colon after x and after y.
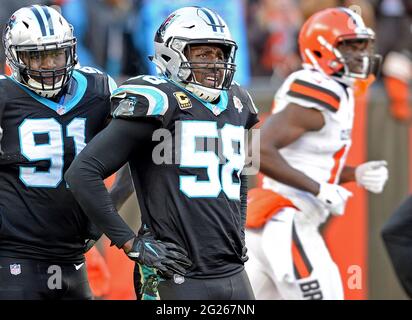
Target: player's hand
x: 166, y: 257
x: 333, y: 197
x: 372, y: 175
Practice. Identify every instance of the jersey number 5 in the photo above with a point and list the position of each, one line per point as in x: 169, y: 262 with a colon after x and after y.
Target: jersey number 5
x: 191, y: 158
x: 53, y: 150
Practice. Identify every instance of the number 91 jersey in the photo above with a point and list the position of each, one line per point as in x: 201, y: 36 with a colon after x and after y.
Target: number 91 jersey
x: 188, y: 183
x: 39, y: 217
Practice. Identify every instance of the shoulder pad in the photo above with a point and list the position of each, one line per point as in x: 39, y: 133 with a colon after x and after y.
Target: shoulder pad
x: 315, y: 88
x: 245, y: 97
x: 138, y: 97
x: 100, y: 78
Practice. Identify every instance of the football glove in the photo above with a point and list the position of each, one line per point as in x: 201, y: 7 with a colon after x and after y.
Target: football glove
x: 333, y: 197
x: 165, y: 256
x: 372, y: 175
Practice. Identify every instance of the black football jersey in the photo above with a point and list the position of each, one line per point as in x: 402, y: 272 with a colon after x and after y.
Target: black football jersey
x: 187, y: 182
x: 39, y: 218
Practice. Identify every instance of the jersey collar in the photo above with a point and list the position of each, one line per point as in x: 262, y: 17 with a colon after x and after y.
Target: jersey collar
x: 215, y: 108
x: 68, y: 101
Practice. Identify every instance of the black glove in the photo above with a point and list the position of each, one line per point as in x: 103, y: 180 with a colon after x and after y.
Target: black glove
x: 166, y: 257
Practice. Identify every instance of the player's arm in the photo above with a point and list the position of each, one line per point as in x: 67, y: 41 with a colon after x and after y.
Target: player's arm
x: 371, y: 175
x: 280, y: 130
x: 85, y: 178
x: 243, y: 211
x: 96, y: 162
x: 347, y: 174
x: 122, y: 187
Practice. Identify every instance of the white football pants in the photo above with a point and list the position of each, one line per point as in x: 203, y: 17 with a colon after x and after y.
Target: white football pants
x: 288, y: 259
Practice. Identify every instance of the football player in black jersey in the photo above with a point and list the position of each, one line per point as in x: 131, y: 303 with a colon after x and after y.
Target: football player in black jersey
x: 190, y: 186
x: 48, y: 112
x: 397, y: 237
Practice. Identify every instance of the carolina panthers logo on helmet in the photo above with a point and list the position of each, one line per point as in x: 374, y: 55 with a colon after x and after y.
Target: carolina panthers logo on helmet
x: 161, y: 31
x: 12, y: 21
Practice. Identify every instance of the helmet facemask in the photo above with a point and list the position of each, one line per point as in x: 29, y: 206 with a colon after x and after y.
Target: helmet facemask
x: 210, y: 65
x: 40, y: 49
x: 182, y: 32
x: 45, y: 69
x: 357, y: 55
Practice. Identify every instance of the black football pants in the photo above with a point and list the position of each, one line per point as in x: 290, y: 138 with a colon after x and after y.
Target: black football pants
x: 234, y: 287
x: 24, y: 279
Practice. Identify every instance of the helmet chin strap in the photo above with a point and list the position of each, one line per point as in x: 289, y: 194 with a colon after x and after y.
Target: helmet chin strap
x: 47, y: 92
x: 206, y: 94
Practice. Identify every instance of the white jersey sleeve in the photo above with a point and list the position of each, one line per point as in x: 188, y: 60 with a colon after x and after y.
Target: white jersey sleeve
x: 320, y: 154
x: 311, y: 89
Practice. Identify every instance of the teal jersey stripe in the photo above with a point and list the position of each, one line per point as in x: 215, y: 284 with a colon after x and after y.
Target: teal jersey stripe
x: 158, y: 101
x: 70, y: 103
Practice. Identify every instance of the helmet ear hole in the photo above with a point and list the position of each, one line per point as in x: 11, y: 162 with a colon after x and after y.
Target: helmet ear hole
x: 317, y: 53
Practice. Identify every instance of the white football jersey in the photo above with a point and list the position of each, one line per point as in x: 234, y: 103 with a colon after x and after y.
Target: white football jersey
x: 321, y: 155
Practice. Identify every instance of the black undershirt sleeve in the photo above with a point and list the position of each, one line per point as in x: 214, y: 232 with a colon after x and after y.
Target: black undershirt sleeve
x: 101, y: 157
x: 122, y: 187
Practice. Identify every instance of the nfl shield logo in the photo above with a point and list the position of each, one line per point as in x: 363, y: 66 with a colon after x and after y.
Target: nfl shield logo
x: 216, y: 111
x: 61, y: 110
x: 15, y: 269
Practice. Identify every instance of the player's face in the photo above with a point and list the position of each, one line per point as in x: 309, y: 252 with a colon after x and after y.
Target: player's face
x: 354, y: 52
x: 207, y: 64
x: 45, y: 60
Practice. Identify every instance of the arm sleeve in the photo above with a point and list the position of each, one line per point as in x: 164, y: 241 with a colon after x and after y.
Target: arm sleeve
x: 122, y: 187
x: 243, y: 204
x: 95, y: 163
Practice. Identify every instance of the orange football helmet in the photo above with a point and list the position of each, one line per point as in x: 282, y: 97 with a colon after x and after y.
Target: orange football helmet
x: 325, y: 33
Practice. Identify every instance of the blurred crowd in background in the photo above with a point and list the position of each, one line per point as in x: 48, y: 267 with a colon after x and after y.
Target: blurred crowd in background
x: 116, y: 36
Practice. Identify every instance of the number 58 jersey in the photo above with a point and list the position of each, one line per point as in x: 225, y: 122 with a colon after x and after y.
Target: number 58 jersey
x: 187, y: 181
x: 39, y: 217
